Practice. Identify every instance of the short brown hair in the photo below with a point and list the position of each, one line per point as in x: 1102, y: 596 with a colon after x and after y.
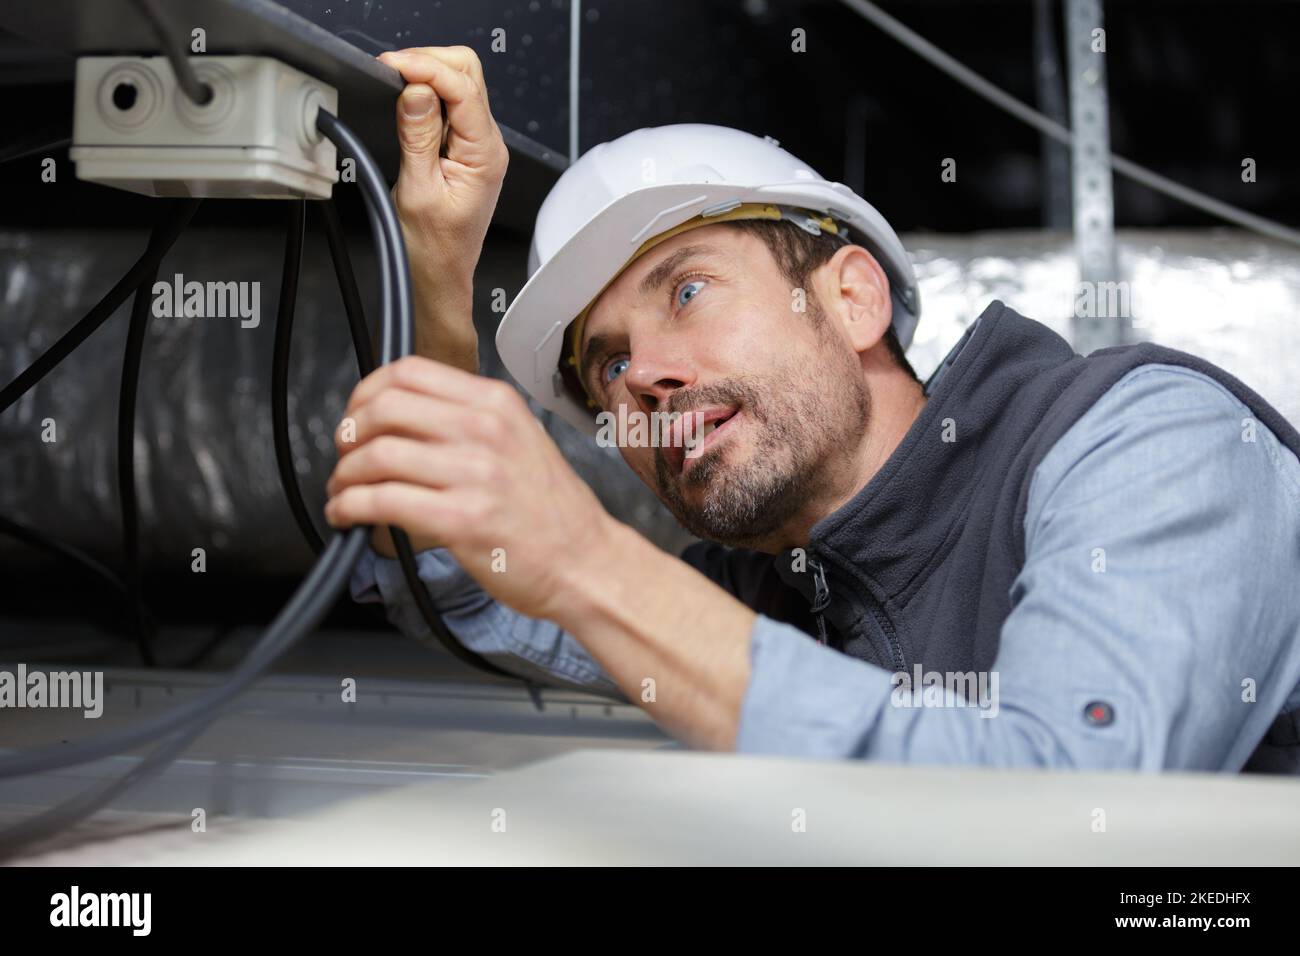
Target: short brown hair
x: 797, y: 253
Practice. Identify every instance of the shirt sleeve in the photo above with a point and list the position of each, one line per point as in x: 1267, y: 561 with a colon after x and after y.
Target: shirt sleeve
x: 534, y: 649
x: 1155, y: 623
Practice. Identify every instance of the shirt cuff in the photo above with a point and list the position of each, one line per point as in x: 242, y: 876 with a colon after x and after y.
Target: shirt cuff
x: 535, y: 649
x: 805, y: 699
x: 377, y: 579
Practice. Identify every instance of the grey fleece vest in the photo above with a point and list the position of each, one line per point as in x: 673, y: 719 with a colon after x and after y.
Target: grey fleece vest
x: 917, y: 568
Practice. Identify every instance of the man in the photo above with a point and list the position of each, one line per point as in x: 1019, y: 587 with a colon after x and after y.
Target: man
x: 1032, y: 559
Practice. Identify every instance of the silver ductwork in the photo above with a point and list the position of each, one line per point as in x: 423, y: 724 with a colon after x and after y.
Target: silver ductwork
x: 204, y: 455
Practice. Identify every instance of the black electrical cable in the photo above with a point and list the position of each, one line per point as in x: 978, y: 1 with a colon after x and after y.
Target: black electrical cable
x: 393, y: 264
x: 176, y: 729
x: 183, y: 723
x: 350, y: 293
x: 173, y: 48
x: 138, y: 279
x: 41, y: 541
x: 313, y: 597
x: 58, y: 818
x: 424, y: 603
x: 348, y: 290
x: 280, y: 375
x: 68, y: 813
x: 308, y: 604
x: 387, y: 230
x: 143, y: 267
x: 304, y: 610
x: 361, y: 345
x: 144, y: 628
x: 146, y: 636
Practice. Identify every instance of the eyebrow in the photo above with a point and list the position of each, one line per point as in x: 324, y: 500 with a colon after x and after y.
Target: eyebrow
x: 664, y: 271
x: 653, y: 280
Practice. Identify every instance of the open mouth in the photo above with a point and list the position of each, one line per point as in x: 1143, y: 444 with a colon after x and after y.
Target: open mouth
x: 708, y: 426
x: 711, y: 426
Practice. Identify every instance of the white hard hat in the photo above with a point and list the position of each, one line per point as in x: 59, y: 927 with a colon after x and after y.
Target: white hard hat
x: 619, y: 195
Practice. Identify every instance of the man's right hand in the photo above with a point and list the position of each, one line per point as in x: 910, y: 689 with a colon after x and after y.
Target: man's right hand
x: 445, y: 194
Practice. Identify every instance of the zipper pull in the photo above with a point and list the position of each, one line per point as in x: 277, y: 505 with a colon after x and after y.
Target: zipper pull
x: 821, y: 597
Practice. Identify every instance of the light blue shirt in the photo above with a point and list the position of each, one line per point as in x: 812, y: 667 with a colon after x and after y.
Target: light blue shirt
x: 1188, y: 626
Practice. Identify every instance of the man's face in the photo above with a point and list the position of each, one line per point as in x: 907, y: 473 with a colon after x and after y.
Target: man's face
x: 707, y: 323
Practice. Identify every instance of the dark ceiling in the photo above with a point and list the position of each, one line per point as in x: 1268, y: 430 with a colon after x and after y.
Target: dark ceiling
x: 1195, y: 87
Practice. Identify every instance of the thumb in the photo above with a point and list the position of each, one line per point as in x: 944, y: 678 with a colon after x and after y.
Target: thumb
x: 419, y: 129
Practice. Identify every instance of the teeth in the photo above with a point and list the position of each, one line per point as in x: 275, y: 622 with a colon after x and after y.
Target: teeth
x: 708, y: 427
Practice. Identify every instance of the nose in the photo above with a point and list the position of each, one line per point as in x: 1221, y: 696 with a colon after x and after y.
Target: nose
x: 653, y: 376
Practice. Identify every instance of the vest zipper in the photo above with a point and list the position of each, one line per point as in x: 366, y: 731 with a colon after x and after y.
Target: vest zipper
x: 885, y: 627
x: 821, y: 597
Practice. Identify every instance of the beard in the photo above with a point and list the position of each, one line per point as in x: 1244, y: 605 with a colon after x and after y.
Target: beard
x: 798, y: 423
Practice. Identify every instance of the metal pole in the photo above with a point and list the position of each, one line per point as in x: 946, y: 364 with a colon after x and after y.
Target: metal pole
x: 1100, y: 316
x: 575, y: 36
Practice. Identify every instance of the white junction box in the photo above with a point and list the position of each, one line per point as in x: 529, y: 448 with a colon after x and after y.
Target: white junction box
x: 256, y: 138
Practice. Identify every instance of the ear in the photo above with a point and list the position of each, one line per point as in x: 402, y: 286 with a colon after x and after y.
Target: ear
x: 856, y: 296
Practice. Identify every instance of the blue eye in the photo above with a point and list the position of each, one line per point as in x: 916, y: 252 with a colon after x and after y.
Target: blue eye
x: 693, y: 288
x: 611, y: 366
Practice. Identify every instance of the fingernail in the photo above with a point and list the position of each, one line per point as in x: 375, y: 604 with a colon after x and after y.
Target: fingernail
x: 417, y: 101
